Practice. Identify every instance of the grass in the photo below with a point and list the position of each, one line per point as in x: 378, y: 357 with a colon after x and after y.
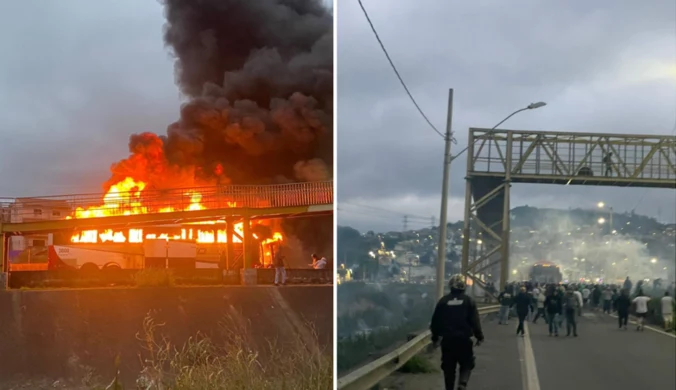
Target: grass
x: 418, y: 365
x: 154, y: 277
x: 358, y: 350
x: 201, y: 364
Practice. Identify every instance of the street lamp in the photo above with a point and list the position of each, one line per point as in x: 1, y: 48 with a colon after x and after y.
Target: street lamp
x: 448, y: 159
x: 653, y: 260
x: 601, y: 221
x: 602, y: 205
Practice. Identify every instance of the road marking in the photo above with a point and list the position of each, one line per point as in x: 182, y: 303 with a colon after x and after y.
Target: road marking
x: 649, y: 328
x: 529, y: 371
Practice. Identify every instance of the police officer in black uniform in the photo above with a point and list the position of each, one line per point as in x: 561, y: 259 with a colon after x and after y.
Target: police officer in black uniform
x: 455, y: 321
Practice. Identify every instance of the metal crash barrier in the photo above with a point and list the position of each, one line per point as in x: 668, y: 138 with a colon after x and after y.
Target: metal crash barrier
x: 369, y: 375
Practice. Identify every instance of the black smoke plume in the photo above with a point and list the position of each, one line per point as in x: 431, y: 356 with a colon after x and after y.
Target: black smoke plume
x: 258, y: 78
x: 258, y: 75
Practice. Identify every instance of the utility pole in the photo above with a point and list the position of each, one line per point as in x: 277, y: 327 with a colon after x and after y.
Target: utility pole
x: 405, y: 223
x: 441, y: 252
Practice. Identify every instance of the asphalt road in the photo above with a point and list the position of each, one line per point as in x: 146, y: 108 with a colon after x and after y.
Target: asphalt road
x: 602, y: 357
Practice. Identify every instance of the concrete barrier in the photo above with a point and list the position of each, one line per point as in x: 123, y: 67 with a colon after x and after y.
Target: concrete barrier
x: 47, y: 333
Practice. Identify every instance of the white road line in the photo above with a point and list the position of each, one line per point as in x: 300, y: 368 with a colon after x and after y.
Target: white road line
x: 649, y: 328
x: 529, y: 371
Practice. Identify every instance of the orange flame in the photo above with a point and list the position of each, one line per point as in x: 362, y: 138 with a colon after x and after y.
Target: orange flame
x: 124, y: 198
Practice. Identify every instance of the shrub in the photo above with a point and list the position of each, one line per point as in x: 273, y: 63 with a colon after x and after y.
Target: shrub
x: 417, y: 365
x: 154, y: 277
x: 201, y: 364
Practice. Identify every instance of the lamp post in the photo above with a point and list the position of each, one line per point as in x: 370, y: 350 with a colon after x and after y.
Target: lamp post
x: 448, y: 159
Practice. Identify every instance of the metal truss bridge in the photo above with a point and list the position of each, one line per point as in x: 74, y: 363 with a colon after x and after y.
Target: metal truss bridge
x: 234, y: 203
x: 498, y: 158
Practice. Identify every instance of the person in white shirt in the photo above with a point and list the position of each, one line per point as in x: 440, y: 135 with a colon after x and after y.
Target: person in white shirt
x: 317, y: 262
x: 641, y: 302
x: 585, y: 296
x: 668, y: 311
x: 540, y: 299
x: 580, y: 301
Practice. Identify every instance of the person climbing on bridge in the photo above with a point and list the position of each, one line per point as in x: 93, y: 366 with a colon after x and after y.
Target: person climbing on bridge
x: 608, y: 162
x: 572, y: 307
x: 622, y: 305
x: 505, y: 299
x: 554, y: 308
x: 641, y: 302
x: 318, y: 262
x: 524, y: 304
x: 455, y: 321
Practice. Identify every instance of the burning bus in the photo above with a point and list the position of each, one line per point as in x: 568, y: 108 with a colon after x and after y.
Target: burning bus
x: 546, y: 272
x: 200, y: 244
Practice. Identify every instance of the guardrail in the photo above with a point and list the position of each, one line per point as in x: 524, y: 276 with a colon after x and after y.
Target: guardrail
x: 25, y: 278
x: 154, y: 201
x: 369, y: 375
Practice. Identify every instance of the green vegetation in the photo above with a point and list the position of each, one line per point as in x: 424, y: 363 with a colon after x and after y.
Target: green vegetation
x: 155, y: 277
x: 358, y: 350
x: 418, y: 365
x: 201, y: 364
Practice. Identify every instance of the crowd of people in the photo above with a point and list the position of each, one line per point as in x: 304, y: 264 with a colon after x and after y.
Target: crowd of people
x: 456, y: 318
x: 554, y: 303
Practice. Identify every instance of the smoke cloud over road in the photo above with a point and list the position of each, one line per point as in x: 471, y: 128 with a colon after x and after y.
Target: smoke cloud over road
x: 258, y: 76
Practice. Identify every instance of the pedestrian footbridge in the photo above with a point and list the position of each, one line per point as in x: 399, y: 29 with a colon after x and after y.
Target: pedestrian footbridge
x: 601, y: 357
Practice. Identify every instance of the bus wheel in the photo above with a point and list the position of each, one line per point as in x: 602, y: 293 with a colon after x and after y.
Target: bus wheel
x: 112, y: 267
x: 89, y: 268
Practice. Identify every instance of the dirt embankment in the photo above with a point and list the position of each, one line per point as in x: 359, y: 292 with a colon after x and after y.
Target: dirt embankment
x: 65, y: 333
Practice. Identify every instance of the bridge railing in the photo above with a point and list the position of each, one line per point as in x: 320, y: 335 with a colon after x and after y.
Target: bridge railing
x: 157, y: 201
x: 369, y: 375
x: 566, y: 154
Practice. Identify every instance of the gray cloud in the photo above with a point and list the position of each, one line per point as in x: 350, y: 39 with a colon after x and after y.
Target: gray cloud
x: 609, y: 66
x: 76, y: 79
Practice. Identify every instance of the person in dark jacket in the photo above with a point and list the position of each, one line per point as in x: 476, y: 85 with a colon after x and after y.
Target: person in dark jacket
x: 523, y: 303
x: 455, y: 321
x: 571, y: 307
x: 554, y: 309
x: 505, y: 299
x: 622, y: 304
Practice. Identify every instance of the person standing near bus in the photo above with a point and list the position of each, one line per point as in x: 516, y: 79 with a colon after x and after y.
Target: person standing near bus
x: 280, y: 271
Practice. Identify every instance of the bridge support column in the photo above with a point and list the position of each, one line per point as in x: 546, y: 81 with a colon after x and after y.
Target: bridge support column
x: 249, y: 275
x: 4, y: 258
x: 506, y: 226
x: 229, y: 247
x: 466, y: 227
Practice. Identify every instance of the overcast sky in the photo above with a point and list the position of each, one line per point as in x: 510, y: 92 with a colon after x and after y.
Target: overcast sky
x: 77, y: 78
x: 602, y: 66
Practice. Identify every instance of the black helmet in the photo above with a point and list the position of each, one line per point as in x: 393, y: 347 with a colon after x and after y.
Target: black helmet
x: 457, y: 282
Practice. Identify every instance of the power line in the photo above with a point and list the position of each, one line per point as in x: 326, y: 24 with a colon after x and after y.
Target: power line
x: 392, y: 219
x: 401, y: 80
x: 410, y: 216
